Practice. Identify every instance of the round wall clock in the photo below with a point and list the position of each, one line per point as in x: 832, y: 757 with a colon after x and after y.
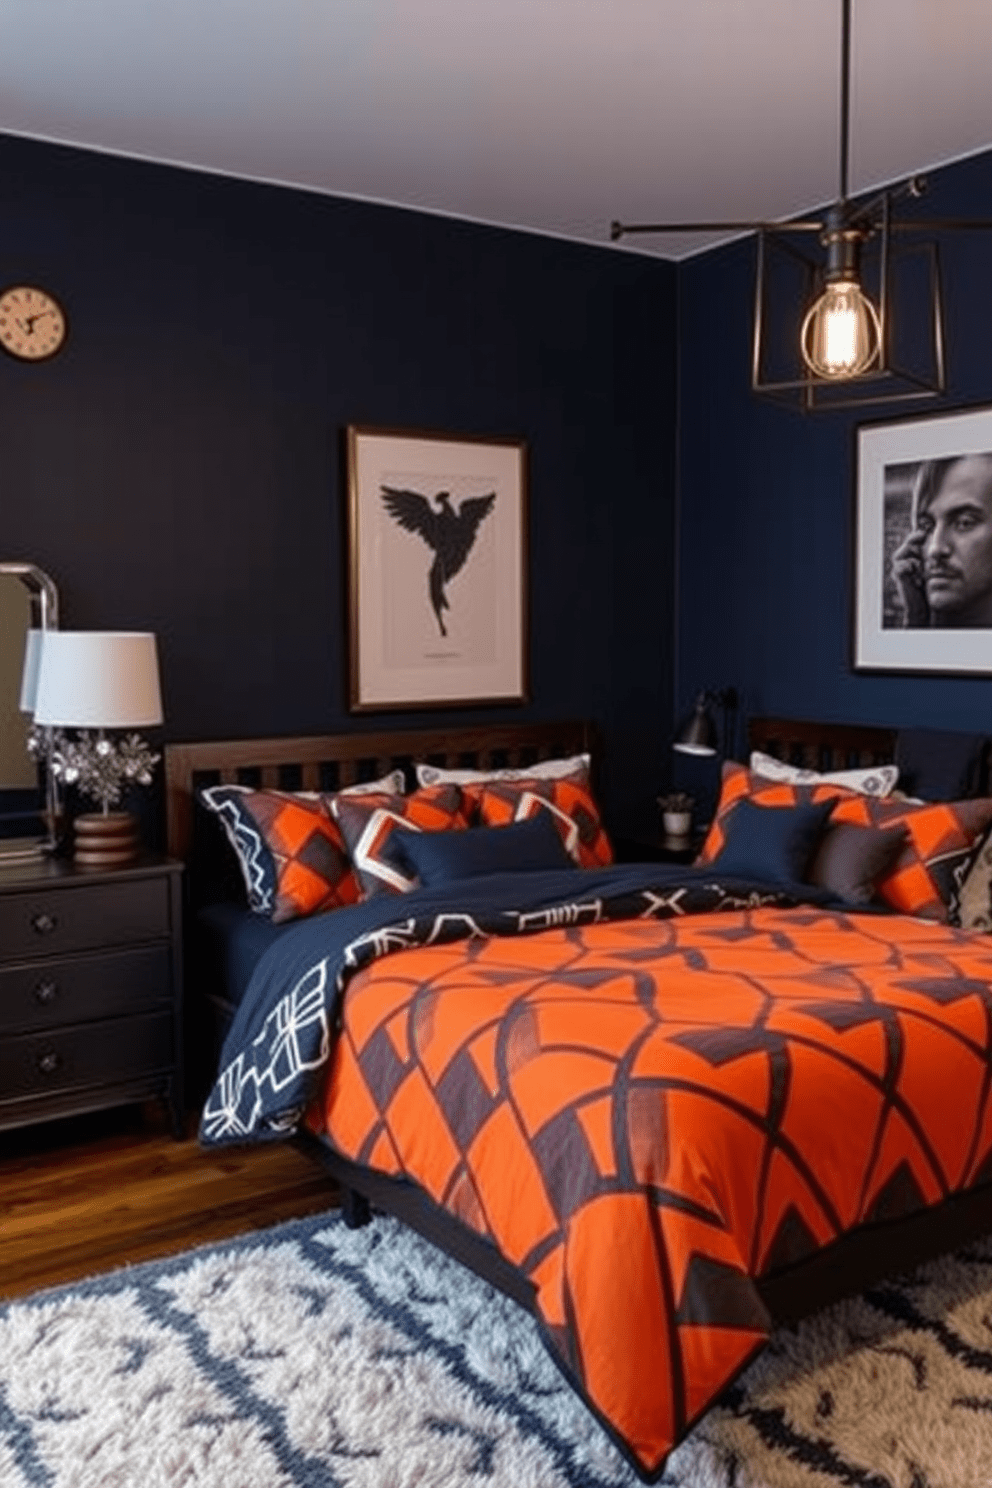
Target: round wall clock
x: 32, y: 323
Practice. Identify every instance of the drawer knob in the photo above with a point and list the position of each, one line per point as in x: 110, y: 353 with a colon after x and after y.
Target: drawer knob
x: 49, y: 1062
x: 43, y: 923
x: 46, y: 992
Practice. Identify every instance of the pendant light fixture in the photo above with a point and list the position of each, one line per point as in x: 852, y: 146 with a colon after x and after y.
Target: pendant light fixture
x: 844, y: 344
x: 841, y: 334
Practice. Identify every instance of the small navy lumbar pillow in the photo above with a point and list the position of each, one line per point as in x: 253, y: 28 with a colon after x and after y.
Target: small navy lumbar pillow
x: 526, y: 846
x: 771, y: 843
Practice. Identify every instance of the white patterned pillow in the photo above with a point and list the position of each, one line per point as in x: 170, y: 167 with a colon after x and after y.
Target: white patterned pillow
x: 553, y: 769
x: 878, y: 780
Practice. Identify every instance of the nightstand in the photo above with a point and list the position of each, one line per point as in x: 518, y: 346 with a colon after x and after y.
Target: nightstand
x: 660, y: 849
x: 90, y: 988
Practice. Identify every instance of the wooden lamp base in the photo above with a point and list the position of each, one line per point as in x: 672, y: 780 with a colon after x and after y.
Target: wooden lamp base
x: 106, y: 840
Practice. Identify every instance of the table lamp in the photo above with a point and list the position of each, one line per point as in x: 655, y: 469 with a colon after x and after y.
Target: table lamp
x: 94, y: 681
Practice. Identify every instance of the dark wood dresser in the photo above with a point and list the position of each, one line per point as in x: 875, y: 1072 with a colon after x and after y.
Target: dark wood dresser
x: 90, y: 988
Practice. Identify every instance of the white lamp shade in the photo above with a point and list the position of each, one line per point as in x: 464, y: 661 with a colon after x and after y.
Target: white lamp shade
x: 98, y: 679
x: 29, y: 676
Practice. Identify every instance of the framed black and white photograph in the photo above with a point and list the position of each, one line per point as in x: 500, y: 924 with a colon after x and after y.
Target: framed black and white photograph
x: 923, y: 545
x: 437, y: 528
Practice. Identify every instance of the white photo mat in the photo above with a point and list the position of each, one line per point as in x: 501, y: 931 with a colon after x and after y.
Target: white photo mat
x: 887, y: 457
x: 419, y: 638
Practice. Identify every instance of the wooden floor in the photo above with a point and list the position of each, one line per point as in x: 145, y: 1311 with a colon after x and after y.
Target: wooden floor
x: 84, y: 1196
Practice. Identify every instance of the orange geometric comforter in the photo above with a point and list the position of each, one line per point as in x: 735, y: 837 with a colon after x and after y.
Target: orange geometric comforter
x: 644, y: 1115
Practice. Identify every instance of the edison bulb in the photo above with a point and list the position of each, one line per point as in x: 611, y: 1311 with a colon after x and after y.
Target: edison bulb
x: 841, y: 335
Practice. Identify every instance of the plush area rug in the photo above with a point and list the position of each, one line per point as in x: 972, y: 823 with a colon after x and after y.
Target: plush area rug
x: 312, y: 1356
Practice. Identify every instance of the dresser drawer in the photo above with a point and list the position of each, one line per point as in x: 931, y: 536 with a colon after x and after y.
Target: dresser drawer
x: 119, y: 1049
x: 51, y: 919
x: 52, y: 993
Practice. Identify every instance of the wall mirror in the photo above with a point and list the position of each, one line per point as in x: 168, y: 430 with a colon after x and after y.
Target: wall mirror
x: 29, y: 605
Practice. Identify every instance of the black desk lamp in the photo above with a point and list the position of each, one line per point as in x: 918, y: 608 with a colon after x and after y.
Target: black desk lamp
x: 698, y: 735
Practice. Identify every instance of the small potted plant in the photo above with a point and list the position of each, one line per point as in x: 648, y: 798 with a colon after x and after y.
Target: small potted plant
x: 676, y: 813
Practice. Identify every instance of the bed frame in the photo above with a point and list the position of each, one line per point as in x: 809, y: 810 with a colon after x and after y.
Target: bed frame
x: 822, y: 746
x: 847, y: 1266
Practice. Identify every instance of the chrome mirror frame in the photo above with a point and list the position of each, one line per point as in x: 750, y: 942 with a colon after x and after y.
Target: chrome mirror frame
x: 44, y: 600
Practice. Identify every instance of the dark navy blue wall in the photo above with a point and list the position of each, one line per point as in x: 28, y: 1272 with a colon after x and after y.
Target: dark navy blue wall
x: 766, y: 504
x: 179, y: 466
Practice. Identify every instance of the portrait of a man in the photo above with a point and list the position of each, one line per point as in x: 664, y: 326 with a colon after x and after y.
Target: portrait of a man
x: 938, y: 544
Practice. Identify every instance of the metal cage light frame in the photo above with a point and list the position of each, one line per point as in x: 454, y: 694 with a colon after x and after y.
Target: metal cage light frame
x: 848, y: 233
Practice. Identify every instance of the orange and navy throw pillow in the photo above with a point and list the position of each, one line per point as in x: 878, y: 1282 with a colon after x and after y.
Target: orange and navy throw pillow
x: 941, y: 837
x: 568, y: 800
x: 372, y: 824
x: 291, y: 852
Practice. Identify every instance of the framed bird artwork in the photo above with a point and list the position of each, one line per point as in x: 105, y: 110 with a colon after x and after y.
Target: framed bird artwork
x: 437, y: 572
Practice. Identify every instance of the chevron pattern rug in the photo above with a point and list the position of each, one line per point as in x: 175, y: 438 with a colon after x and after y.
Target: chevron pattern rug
x: 312, y: 1356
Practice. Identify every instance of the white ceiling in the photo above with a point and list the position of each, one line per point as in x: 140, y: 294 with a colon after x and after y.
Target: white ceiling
x: 553, y: 115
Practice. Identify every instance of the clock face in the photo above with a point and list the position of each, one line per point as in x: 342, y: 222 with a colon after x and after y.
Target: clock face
x: 32, y: 323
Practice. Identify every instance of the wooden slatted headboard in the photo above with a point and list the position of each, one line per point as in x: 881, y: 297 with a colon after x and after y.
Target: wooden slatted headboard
x: 822, y: 746
x: 329, y: 761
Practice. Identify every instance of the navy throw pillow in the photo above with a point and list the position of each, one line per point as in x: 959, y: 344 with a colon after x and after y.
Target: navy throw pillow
x: 443, y: 857
x: 771, y: 843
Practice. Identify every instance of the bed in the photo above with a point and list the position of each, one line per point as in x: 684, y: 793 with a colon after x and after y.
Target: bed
x: 412, y: 963
x: 224, y: 945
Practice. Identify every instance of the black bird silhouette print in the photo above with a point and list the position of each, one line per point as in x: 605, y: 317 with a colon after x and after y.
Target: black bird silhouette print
x: 449, y: 534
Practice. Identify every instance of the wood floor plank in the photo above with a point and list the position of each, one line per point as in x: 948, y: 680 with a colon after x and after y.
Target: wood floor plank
x: 80, y: 1198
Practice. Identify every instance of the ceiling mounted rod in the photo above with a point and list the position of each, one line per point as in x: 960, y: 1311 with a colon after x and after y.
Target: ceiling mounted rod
x: 943, y: 224
x: 845, y: 100
x: 844, y: 353
x: 866, y: 215
x: 621, y: 229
